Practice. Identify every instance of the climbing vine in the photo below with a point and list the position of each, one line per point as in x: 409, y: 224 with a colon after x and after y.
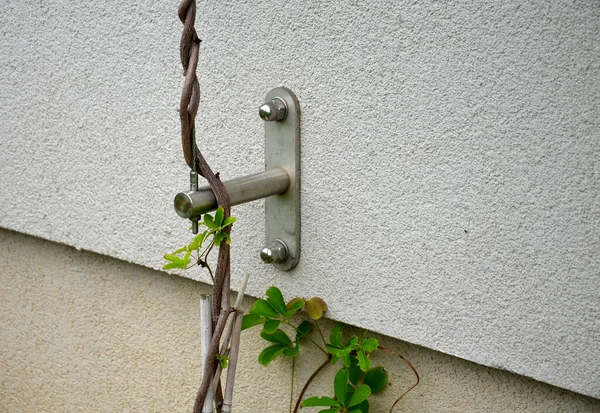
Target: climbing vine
x: 355, y: 381
x: 188, y: 108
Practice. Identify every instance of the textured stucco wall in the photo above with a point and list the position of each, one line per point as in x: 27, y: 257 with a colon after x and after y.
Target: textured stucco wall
x: 451, y: 172
x: 80, y: 332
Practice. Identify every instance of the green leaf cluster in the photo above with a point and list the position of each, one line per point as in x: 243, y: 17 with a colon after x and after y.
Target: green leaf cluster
x: 351, y: 391
x: 215, y: 233
x: 358, y: 347
x: 356, y: 380
x: 216, y: 226
x: 348, y: 397
x: 272, y: 313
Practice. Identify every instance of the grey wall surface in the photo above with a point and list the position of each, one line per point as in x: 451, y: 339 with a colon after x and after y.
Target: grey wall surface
x: 95, y: 334
x: 450, y: 157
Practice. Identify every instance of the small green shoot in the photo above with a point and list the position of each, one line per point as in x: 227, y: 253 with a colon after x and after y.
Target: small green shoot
x: 223, y: 360
x: 214, y: 234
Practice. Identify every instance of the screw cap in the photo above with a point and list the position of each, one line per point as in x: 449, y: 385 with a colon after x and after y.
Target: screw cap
x: 274, y: 110
x: 275, y: 252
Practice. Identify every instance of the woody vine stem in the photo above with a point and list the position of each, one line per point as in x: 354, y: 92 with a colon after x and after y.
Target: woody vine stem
x: 188, y: 108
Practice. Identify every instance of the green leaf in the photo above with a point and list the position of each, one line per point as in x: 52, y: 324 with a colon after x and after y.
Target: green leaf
x: 271, y: 326
x: 223, y: 360
x: 270, y: 353
x: 354, y: 371
x: 228, y: 221
x: 339, y: 385
x: 338, y: 352
x: 278, y: 337
x: 173, y: 265
x: 275, y: 298
x: 344, y: 351
x: 349, y: 391
x: 219, y: 214
x: 363, y: 407
x: 209, y: 221
x: 303, y: 329
x: 293, y: 306
x: 363, y: 361
x: 355, y: 411
x: 353, y: 343
x: 334, y: 410
x: 315, y: 307
x: 262, y: 307
x: 219, y: 236
x: 186, y: 258
x: 292, y: 352
x: 361, y: 394
x: 173, y: 258
x: 370, y: 344
x: 376, y: 379
x: 334, y: 359
x: 227, y: 237
x: 197, y: 242
x: 336, y: 335
x: 180, y: 250
x: 319, y: 401
x: 251, y: 320
x: 334, y: 350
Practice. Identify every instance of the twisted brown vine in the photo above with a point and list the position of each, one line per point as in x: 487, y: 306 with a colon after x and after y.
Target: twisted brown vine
x: 190, y: 98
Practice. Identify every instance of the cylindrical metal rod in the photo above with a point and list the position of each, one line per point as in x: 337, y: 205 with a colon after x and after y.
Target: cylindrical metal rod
x: 194, y: 187
x: 241, y: 190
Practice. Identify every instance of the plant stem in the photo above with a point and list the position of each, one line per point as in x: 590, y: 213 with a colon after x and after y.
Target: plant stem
x: 207, y: 249
x: 409, y: 364
x: 292, y: 386
x: 310, y: 379
x: 205, y: 262
x: 212, y: 277
x: 320, y: 332
x: 310, y: 339
x: 318, y: 346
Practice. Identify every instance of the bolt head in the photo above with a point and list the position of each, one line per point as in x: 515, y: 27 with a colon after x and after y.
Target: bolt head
x: 265, y: 112
x: 267, y: 256
x: 273, y: 110
x: 275, y: 252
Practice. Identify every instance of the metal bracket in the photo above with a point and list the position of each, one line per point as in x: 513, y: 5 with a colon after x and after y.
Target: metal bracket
x: 282, y: 149
x: 279, y: 183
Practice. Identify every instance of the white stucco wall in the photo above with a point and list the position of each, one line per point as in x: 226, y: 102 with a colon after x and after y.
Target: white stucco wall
x: 450, y: 157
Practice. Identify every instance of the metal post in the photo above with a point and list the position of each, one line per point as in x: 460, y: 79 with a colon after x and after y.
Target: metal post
x: 241, y: 190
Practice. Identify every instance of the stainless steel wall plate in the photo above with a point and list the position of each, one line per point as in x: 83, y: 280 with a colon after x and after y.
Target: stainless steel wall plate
x: 279, y: 184
x: 282, y: 150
